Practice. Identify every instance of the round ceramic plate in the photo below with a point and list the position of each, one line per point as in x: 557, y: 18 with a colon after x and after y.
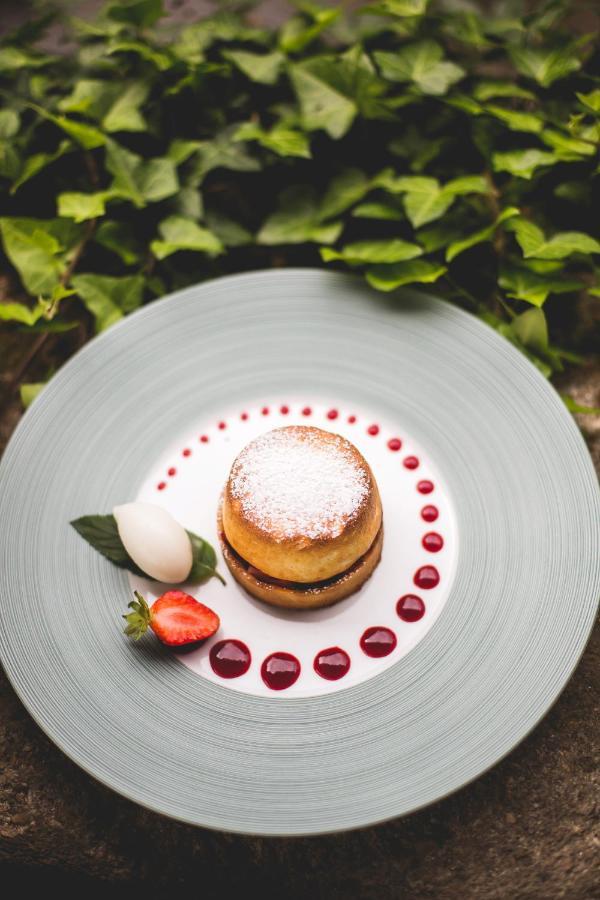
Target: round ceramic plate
x: 467, y: 442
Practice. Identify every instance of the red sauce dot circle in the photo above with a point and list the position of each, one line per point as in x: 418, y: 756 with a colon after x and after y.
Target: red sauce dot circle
x: 187, y: 452
x: 373, y: 430
x: 172, y: 471
x: 410, y: 608
x: 351, y: 419
x: 230, y: 659
x: 306, y: 411
x: 429, y: 513
x: 394, y: 444
x: 222, y: 426
x: 244, y: 417
x: 332, y: 663
x: 332, y: 414
x: 161, y: 485
x: 265, y: 411
x: 427, y: 577
x: 433, y: 541
x: 204, y: 439
x: 280, y: 670
x: 284, y: 410
x: 378, y: 641
x: 425, y: 487
x: 411, y: 462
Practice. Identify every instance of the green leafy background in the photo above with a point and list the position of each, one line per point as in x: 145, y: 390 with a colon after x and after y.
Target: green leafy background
x: 413, y: 143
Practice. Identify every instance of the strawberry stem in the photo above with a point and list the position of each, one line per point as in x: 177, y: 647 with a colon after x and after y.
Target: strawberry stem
x: 138, y: 621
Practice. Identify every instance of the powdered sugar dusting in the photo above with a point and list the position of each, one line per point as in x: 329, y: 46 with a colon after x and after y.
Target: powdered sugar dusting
x: 300, y: 482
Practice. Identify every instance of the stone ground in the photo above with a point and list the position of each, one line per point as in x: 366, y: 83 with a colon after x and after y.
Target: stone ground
x: 527, y: 830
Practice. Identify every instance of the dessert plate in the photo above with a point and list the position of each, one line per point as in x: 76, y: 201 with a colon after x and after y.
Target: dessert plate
x: 502, y: 627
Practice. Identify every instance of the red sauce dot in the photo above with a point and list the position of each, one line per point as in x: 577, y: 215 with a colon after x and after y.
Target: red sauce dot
x: 351, y: 419
x: 429, y: 513
x: 373, y: 430
x: 172, y: 471
x: 244, y: 417
x: 411, y: 462
x: 427, y: 577
x: 410, y: 608
x: 378, y: 641
x: 161, y: 485
x: 332, y: 414
x: 425, y: 487
x: 230, y: 659
x: 204, y: 439
x: 307, y: 411
x: 284, y: 410
x: 280, y: 670
x: 433, y: 542
x: 187, y: 452
x: 265, y: 411
x: 332, y: 663
x: 394, y: 444
x: 222, y: 426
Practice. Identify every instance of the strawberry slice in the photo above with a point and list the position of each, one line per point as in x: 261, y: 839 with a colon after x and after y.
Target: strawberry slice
x: 176, y: 618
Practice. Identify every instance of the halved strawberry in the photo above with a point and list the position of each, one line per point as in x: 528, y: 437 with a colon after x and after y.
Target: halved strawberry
x: 175, y: 618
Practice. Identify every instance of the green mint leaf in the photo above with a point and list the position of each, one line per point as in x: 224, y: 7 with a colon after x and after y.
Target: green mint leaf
x: 204, y: 565
x: 102, y: 534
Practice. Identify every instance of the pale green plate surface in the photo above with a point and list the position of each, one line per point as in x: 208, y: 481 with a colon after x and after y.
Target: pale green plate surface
x: 504, y: 646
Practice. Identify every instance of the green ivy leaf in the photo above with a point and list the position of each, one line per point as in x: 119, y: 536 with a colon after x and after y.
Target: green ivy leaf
x: 264, y: 68
x: 590, y: 100
x: 346, y: 189
x: 125, y: 114
x: 387, y: 278
x: 80, y: 207
x: 39, y: 161
x: 322, y: 99
x: 379, y: 209
x: 578, y: 408
x: 86, y: 136
x: 228, y: 231
x: 141, y: 181
x: 423, y: 64
x: 516, y: 120
x: 119, y: 238
x: 18, y: 312
x: 108, y: 298
x: 281, y: 140
x: 479, y: 237
x: 425, y: 199
x: 523, y: 163
x: 488, y: 90
x: 29, y: 392
x: 532, y: 241
x: 33, y: 251
x: 401, y: 8
x: 298, y: 220
x: 384, y: 251
x: 566, y: 147
x: 295, y: 34
x: 531, y: 330
x: 222, y: 152
x: 142, y: 13
x: 178, y: 233
x: 533, y: 287
x: 543, y: 65
x: 9, y: 123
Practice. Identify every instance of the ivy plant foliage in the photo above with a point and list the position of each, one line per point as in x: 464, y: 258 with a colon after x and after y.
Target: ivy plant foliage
x: 413, y: 143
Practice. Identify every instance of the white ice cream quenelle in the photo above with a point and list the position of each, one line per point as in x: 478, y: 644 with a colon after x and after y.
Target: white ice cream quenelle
x: 155, y: 541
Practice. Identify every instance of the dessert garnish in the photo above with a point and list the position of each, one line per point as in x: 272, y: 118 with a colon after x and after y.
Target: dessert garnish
x: 176, y: 618
x: 146, y: 540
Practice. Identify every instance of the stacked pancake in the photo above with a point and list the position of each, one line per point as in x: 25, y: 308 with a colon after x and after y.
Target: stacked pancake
x: 300, y: 519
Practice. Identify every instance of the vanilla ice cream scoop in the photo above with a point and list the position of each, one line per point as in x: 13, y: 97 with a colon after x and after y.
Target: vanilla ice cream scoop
x: 155, y: 541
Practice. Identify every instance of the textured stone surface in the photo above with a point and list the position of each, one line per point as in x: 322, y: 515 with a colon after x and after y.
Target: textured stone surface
x: 527, y: 829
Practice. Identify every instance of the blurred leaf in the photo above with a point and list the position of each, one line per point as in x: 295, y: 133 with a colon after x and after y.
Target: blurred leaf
x: 298, y: 219
x: 33, y: 251
x: 80, y: 207
x: 296, y: 34
x: 281, y: 140
x: 119, y: 237
x: 523, y: 163
x: 578, y: 408
x: 423, y: 64
x: 384, y: 251
x: 387, y: 278
x: 124, y: 114
x: 178, y: 233
x: 9, y: 123
x: 533, y: 287
x: 141, y: 181
x: 108, y: 298
x: 532, y: 241
x: 590, y: 100
x: 531, y: 330
x: 142, y: 13
x: 37, y: 162
x: 29, y: 392
x: 515, y: 120
x: 479, y: 237
x: 543, y: 65
x: 262, y: 67
x: 223, y: 151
